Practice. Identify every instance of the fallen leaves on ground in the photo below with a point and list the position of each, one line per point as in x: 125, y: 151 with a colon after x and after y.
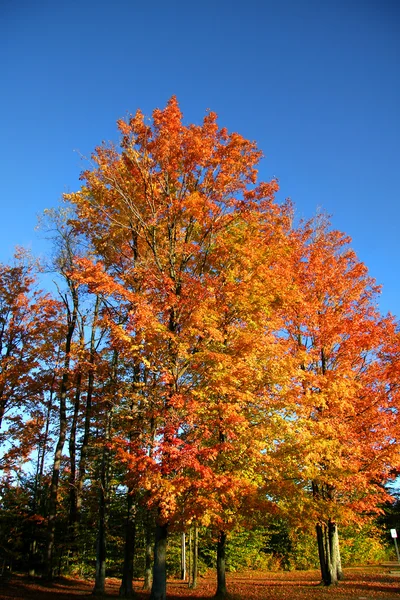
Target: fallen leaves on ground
x: 363, y: 583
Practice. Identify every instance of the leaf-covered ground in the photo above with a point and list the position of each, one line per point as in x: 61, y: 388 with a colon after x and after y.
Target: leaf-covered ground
x: 363, y: 583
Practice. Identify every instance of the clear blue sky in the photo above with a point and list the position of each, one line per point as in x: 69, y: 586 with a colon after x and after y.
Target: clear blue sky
x: 315, y: 82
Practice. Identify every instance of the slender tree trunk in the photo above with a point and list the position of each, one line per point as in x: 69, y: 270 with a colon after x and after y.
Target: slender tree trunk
x: 72, y: 317
x: 101, y: 554
x: 73, y: 508
x: 46, y: 436
x: 100, y: 578
x: 38, y: 499
x: 32, y: 528
x: 159, y: 587
x: 85, y: 444
x: 336, y: 567
x: 221, y: 566
x: 335, y: 550
x: 321, y: 554
x: 32, y: 535
x: 53, y: 500
x: 126, y: 589
x: 148, y: 553
x: 149, y: 520
x: 3, y: 401
x: 327, y: 540
x: 104, y: 487
x: 340, y: 574
x: 183, y: 556
x: 2, y: 408
x: 88, y: 413
x: 194, y: 561
x: 190, y: 557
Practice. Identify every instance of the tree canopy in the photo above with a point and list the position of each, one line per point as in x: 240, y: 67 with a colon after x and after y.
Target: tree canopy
x: 206, y: 357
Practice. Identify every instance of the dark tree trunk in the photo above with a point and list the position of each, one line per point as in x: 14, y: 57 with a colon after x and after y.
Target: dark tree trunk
x: 329, y: 555
x: 53, y: 499
x: 88, y: 413
x: 32, y: 528
x: 73, y: 504
x: 126, y: 589
x: 101, y: 554
x: 159, y: 586
x: 2, y: 408
x: 104, y: 487
x: 194, y: 551
x: 85, y: 444
x: 321, y: 554
x: 221, y: 566
x: 149, y: 518
x: 38, y: 495
x: 46, y: 439
x: 99, y: 584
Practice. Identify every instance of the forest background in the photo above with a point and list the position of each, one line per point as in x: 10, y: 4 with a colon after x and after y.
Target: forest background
x: 69, y: 396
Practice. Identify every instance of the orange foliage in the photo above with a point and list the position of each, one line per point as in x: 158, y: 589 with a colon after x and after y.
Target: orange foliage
x: 261, y: 370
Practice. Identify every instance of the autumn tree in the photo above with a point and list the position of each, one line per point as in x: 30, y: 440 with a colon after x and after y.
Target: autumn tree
x: 157, y: 211
x: 73, y: 383
x: 342, y: 429
x: 27, y: 319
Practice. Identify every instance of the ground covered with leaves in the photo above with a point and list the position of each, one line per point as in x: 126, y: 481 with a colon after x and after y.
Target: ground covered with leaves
x: 363, y: 583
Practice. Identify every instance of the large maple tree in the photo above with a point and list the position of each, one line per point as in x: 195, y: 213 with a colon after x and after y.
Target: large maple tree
x: 169, y: 214
x: 342, y: 426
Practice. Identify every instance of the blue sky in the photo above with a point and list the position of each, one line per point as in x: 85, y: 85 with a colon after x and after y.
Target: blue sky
x: 315, y: 82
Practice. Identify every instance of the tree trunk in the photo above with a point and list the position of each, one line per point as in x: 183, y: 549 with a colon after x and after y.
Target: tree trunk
x: 190, y: 557
x: 100, y: 578
x: 322, y: 555
x: 88, y: 413
x: 104, y: 495
x: 32, y: 528
x: 337, y: 573
x: 159, y: 587
x: 53, y: 500
x: 183, y: 556
x: 148, y: 554
x: 45, y: 439
x: 329, y: 554
x: 38, y: 493
x: 336, y: 551
x: 73, y: 505
x: 99, y: 585
x: 331, y: 571
x: 221, y: 577
x: 194, y: 559
x: 126, y: 589
x: 72, y: 317
x: 149, y: 519
x: 340, y: 574
x: 2, y: 408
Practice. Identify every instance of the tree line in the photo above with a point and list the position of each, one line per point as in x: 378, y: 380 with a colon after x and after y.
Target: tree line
x: 204, y: 356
